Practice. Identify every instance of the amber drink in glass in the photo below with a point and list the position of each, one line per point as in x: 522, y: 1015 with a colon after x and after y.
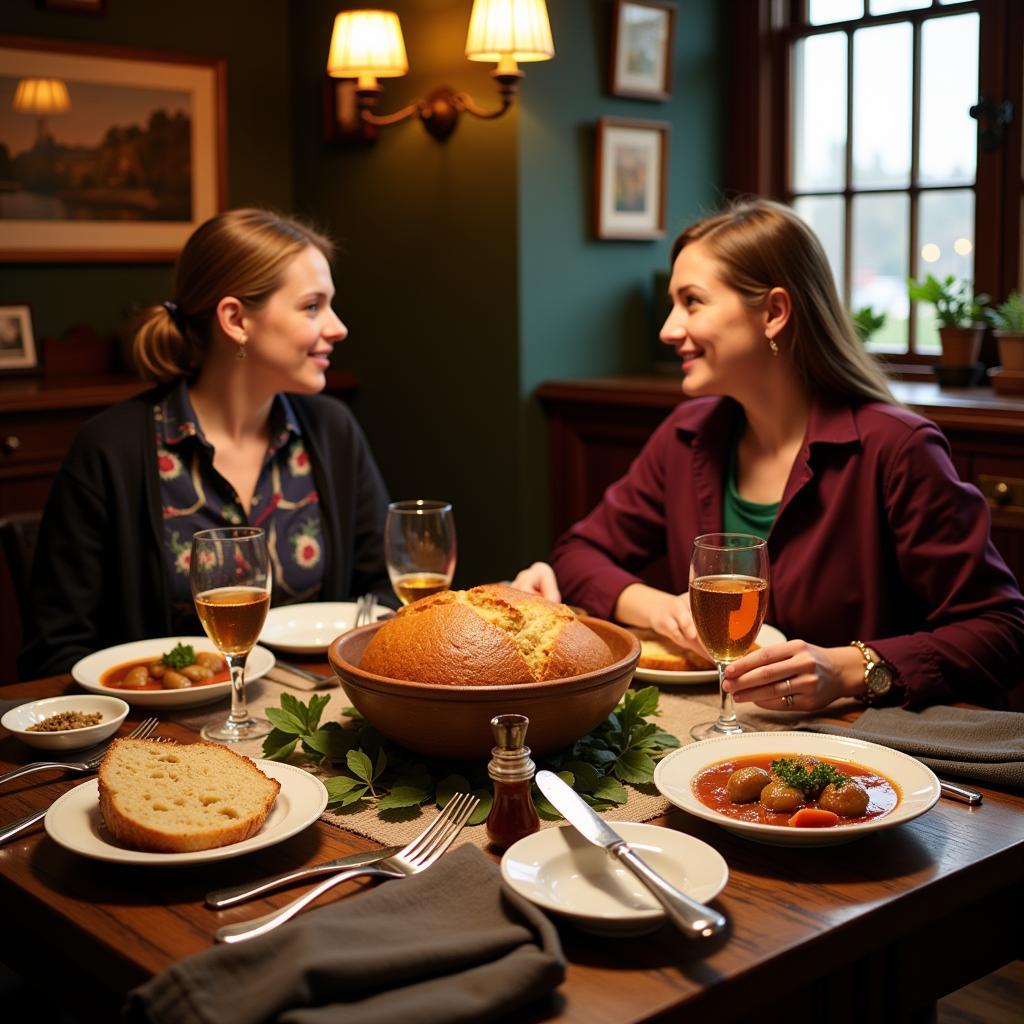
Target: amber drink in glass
x: 419, y: 548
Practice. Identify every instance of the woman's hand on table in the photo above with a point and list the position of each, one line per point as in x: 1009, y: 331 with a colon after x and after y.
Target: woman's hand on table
x: 812, y: 676
x: 667, y: 614
x: 539, y: 578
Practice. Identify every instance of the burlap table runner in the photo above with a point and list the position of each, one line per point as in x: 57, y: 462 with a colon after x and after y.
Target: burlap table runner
x: 680, y: 709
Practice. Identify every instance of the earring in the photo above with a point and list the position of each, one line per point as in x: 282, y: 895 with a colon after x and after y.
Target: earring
x: 773, y: 344
x: 240, y: 353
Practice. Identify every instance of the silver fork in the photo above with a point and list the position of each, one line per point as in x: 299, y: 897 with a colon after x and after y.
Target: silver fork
x: 364, y: 610
x: 140, y: 732
x: 88, y: 764
x: 418, y: 855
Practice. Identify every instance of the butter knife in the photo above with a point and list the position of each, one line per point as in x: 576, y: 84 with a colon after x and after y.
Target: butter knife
x: 298, y: 670
x: 693, y: 919
x: 239, y: 893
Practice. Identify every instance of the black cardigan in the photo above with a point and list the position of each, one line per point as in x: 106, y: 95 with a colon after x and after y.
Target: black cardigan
x: 99, y: 575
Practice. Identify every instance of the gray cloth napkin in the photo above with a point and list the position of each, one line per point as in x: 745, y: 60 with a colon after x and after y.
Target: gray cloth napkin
x: 444, y: 946
x: 984, y: 746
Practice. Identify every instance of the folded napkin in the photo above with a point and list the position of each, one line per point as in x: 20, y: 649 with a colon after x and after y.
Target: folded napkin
x: 984, y: 746
x: 444, y: 946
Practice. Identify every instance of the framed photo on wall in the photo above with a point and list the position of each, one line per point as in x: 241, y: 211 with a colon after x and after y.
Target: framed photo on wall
x: 107, y: 153
x: 18, y: 351
x: 642, y: 40
x: 631, y: 171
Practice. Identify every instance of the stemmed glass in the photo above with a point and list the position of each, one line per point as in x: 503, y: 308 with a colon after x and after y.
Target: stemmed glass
x: 419, y: 548
x: 728, y: 601
x: 230, y: 577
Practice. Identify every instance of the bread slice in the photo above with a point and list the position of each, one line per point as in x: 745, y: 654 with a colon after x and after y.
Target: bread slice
x: 658, y: 652
x: 180, y: 797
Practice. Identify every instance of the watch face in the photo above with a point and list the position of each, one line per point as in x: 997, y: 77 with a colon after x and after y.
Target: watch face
x: 880, y: 680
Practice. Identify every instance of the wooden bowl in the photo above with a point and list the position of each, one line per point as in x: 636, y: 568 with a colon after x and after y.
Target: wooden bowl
x: 454, y: 721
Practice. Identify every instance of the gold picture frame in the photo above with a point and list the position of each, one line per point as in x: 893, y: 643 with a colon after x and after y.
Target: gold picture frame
x: 132, y: 164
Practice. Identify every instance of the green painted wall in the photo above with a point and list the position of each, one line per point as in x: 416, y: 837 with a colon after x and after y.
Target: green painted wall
x: 254, y: 39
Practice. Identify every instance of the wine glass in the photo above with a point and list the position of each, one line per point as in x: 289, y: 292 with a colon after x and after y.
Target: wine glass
x: 230, y: 577
x: 728, y: 601
x: 419, y: 548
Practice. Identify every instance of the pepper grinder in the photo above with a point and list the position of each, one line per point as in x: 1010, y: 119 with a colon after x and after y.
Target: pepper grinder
x: 511, y: 770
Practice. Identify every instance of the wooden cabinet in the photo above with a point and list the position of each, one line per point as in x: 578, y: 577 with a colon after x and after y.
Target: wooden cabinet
x: 598, y: 426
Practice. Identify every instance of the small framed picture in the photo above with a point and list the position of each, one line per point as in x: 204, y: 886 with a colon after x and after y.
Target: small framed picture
x: 630, y: 175
x: 17, y: 342
x: 641, y: 62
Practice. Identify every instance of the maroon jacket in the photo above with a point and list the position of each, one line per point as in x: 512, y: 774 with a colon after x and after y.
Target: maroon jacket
x: 876, y: 539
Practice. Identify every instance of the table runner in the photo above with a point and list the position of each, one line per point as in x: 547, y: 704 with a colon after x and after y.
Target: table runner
x: 680, y: 708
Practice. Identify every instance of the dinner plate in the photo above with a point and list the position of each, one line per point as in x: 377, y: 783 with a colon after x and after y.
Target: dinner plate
x: 74, y: 821
x: 88, y: 670
x: 310, y: 628
x: 917, y: 785
x: 560, y: 871
x: 768, y: 635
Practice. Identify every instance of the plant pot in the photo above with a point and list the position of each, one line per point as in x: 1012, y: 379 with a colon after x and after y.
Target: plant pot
x: 1011, y: 349
x: 960, y: 345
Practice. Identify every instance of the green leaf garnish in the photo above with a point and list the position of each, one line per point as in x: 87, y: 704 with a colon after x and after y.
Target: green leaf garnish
x: 180, y: 657
x: 793, y: 773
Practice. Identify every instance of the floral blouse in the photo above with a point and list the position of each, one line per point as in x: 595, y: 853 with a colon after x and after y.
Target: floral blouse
x: 195, y: 497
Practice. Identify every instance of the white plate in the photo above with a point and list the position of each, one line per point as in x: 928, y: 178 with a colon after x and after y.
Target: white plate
x: 768, y: 635
x: 918, y: 787
x: 88, y: 670
x: 310, y: 628
x: 74, y: 821
x: 560, y: 871
x: 113, y: 711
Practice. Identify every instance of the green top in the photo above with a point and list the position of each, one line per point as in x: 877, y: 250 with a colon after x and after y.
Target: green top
x: 738, y: 514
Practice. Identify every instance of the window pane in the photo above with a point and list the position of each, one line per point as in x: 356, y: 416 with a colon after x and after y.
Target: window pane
x: 945, y: 232
x: 949, y: 85
x: 888, y: 6
x: 819, y: 112
x: 881, y: 105
x: 825, y: 12
x: 825, y: 216
x: 879, y: 253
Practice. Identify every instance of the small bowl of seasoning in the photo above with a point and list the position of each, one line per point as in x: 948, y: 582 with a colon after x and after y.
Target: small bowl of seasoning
x: 66, y: 723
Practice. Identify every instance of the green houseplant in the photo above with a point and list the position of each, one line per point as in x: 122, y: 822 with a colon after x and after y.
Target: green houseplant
x: 960, y: 315
x: 866, y: 322
x: 1008, y: 320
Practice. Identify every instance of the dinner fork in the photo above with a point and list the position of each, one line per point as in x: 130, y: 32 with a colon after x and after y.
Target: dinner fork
x: 140, y: 732
x: 89, y: 764
x: 415, y: 857
x: 364, y: 610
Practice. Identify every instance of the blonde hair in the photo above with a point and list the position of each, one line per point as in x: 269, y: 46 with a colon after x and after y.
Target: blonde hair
x: 242, y: 253
x: 760, y: 245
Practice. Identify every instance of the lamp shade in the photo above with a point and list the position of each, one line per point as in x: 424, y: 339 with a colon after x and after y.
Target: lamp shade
x: 367, y: 43
x: 41, y: 96
x: 509, y: 28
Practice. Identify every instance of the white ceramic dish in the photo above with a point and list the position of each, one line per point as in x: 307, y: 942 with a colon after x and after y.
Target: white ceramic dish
x: 560, y: 871
x: 917, y: 784
x: 768, y: 635
x: 310, y: 628
x: 113, y: 709
x: 88, y: 670
x: 74, y: 821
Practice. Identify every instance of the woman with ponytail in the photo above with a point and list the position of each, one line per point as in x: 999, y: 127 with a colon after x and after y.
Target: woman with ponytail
x: 234, y: 432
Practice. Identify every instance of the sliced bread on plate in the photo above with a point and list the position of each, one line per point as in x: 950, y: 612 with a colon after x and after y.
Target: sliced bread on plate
x: 180, y: 797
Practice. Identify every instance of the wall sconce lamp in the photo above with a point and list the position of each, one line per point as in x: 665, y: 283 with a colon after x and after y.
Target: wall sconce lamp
x: 367, y: 45
x: 42, y: 97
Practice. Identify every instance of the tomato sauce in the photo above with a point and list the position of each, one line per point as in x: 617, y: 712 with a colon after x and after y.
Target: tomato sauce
x: 710, y: 789
x: 114, y: 677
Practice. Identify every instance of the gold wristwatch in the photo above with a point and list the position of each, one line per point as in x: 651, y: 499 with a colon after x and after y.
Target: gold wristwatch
x: 878, y: 675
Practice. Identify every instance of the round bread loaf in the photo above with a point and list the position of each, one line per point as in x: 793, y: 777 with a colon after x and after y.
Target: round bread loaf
x: 180, y: 797
x: 488, y: 636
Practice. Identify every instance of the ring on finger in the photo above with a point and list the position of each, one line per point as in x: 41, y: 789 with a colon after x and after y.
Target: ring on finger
x: 787, y: 698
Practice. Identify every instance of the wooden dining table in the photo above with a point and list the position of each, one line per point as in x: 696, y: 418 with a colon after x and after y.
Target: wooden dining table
x: 873, y: 930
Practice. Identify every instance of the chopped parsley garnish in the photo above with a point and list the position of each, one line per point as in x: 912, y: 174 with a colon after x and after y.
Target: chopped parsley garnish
x: 794, y: 773
x: 180, y: 657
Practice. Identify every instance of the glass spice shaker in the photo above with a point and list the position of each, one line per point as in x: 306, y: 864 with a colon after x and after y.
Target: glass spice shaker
x: 511, y: 769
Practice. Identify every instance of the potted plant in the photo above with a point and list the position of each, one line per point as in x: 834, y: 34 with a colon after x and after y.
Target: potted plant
x: 866, y: 322
x: 1008, y: 320
x: 960, y: 315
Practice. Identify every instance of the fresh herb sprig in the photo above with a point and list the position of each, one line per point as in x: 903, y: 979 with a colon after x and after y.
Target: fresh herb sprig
x: 624, y: 748
x: 180, y: 656
x: 794, y: 773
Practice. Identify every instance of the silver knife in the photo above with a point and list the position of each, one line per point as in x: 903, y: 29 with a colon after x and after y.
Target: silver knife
x: 239, y: 893
x: 692, y: 918
x: 314, y: 677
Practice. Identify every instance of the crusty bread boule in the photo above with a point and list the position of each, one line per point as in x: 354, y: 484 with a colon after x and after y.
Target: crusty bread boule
x: 179, y: 797
x: 492, y: 635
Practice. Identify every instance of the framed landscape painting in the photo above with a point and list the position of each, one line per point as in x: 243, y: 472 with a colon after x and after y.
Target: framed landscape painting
x: 641, y: 60
x: 18, y: 351
x: 630, y: 177
x: 106, y: 153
